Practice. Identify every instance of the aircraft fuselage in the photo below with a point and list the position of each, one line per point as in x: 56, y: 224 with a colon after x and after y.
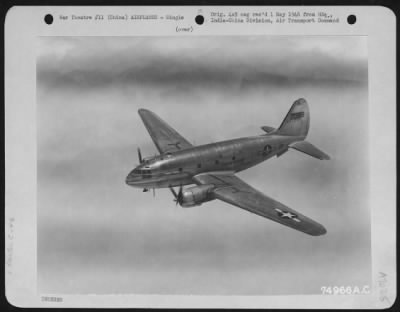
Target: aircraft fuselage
x: 178, y: 168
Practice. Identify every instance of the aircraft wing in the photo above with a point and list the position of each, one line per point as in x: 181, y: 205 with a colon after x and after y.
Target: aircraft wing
x: 164, y: 137
x: 229, y: 188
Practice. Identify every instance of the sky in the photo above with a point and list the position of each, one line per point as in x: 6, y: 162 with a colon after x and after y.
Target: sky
x: 96, y: 235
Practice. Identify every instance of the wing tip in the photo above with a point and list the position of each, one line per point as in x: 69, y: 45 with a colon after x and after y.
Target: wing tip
x: 325, y: 156
x: 319, y: 231
x: 142, y: 110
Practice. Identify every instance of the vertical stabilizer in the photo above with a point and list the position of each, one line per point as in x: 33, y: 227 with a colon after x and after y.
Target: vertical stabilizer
x: 297, y: 120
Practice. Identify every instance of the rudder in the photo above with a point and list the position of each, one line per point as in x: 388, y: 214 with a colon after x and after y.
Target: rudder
x: 297, y: 120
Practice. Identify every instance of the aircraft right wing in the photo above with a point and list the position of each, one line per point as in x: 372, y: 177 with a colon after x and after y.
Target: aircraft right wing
x: 164, y: 136
x: 229, y: 188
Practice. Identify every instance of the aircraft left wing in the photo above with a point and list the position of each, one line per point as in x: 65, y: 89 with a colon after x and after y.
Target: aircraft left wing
x: 164, y: 136
x: 229, y: 188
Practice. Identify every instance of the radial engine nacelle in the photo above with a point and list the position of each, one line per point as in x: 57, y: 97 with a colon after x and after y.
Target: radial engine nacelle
x: 196, y: 195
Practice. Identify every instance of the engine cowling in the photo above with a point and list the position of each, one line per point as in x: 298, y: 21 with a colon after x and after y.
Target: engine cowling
x: 196, y: 195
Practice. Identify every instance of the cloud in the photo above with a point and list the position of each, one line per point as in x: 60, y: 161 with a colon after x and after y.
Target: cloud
x: 197, y: 63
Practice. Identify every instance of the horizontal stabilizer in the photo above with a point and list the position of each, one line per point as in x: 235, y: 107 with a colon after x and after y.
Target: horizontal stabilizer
x: 268, y: 129
x: 309, y: 149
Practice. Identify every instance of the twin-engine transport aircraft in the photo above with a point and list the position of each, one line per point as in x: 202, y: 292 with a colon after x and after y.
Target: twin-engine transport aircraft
x: 212, y: 167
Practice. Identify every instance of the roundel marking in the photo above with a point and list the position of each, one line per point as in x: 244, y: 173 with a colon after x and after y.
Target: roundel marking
x: 267, y: 149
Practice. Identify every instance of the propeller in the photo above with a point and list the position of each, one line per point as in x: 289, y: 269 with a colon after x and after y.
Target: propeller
x: 178, y: 197
x: 140, y: 155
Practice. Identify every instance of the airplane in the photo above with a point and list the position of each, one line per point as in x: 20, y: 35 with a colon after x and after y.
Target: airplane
x: 212, y: 167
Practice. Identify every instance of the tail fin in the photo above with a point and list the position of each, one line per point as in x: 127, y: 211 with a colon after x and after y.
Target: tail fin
x: 297, y: 120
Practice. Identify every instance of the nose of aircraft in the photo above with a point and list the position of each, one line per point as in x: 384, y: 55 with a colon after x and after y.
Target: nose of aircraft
x: 132, y: 178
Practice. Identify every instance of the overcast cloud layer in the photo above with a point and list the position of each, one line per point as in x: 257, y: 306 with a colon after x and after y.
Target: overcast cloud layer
x: 97, y: 235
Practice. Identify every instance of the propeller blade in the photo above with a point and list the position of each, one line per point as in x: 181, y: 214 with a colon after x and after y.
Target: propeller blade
x: 140, y: 155
x: 180, y: 195
x: 173, y: 192
x: 175, y: 195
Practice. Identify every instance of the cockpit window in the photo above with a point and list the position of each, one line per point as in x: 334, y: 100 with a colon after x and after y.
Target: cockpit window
x: 144, y: 171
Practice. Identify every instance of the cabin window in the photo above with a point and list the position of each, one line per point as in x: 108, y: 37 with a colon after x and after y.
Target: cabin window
x: 217, y: 162
x: 180, y: 169
x: 199, y: 166
x: 233, y: 158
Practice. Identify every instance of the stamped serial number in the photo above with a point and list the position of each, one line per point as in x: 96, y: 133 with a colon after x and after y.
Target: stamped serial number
x: 51, y: 299
x: 345, y: 290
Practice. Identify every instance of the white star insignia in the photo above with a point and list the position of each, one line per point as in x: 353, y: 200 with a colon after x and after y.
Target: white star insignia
x: 287, y: 215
